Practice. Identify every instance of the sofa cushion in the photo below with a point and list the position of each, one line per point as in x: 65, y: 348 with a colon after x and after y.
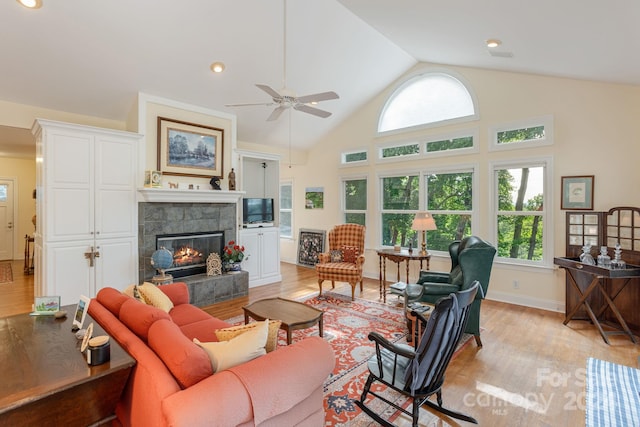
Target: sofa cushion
x: 139, y: 317
x: 227, y: 334
x: 155, y: 297
x: 204, y: 330
x: 112, y: 299
x: 178, y: 292
x: 188, y: 363
x: 133, y: 291
x: 238, y: 350
x: 185, y: 314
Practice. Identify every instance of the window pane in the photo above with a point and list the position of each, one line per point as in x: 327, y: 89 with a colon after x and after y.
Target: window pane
x: 427, y: 98
x: 450, y: 144
x: 403, y: 150
x: 521, y: 189
x: 285, y: 196
x: 449, y: 191
x: 355, y: 194
x: 396, y: 230
x: 520, y: 237
x: 450, y: 228
x: 355, y: 157
x: 355, y: 218
x: 519, y: 135
x: 400, y: 193
x: 3, y: 192
x: 285, y: 224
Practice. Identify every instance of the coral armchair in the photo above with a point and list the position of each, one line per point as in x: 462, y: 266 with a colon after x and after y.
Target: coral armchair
x: 343, y: 262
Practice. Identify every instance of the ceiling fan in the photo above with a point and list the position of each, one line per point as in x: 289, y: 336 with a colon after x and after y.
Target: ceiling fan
x: 286, y: 98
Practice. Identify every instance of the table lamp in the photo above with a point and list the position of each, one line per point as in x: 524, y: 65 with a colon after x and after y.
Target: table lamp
x: 423, y: 221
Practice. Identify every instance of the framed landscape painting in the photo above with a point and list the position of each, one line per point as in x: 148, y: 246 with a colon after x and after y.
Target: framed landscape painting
x: 189, y: 149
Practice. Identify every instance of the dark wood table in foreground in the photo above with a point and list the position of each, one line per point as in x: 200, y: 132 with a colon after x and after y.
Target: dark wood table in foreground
x: 45, y: 379
x: 293, y: 315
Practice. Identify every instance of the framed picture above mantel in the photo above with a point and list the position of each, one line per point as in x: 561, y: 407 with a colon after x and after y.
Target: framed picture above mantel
x: 189, y: 149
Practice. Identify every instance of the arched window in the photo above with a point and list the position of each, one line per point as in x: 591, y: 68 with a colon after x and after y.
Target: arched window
x: 428, y: 98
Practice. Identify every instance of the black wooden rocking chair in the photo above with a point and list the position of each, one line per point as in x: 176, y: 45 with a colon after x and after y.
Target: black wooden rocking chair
x: 419, y: 373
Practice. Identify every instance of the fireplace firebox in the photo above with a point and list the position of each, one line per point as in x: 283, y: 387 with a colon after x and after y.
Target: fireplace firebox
x: 190, y: 251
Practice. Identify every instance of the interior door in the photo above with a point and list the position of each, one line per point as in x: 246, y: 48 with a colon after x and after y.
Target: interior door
x: 6, y: 219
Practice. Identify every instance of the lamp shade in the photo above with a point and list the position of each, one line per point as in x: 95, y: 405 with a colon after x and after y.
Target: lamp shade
x: 423, y: 221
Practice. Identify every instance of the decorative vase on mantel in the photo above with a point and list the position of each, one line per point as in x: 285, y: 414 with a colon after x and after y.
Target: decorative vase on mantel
x: 233, y: 266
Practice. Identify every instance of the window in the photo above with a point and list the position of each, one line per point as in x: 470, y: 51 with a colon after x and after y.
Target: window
x: 523, y: 134
x: 286, y: 210
x: 449, y: 144
x: 449, y: 198
x: 355, y: 201
x: 432, y: 97
x: 522, y: 206
x: 400, y: 202
x: 354, y: 157
x: 399, y: 150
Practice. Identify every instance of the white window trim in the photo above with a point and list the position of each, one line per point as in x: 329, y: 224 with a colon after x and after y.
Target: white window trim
x: 474, y: 133
x: 474, y: 168
x: 285, y: 182
x: 546, y: 121
x: 548, y: 237
x: 394, y: 144
x: 344, y: 154
x: 442, y: 123
x: 343, y: 206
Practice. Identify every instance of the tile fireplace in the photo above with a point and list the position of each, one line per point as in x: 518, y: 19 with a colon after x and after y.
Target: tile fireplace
x: 190, y: 250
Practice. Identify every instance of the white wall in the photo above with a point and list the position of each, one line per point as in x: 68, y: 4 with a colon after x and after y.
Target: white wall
x: 595, y: 134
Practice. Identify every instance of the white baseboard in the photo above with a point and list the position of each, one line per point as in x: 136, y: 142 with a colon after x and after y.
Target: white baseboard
x: 527, y: 301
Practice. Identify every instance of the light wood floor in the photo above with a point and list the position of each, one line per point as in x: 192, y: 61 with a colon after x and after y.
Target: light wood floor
x: 530, y: 372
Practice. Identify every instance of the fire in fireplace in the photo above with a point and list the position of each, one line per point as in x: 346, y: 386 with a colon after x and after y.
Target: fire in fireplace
x: 190, y: 251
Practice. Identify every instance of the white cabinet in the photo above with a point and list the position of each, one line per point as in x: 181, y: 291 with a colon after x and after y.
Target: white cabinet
x: 262, y: 255
x: 86, y: 234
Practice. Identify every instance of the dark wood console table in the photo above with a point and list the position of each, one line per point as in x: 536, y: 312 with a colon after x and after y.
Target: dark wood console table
x: 398, y: 258
x: 46, y: 379
x: 583, y: 280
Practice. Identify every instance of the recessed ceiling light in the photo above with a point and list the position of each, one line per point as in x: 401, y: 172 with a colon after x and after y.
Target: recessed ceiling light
x: 217, y: 67
x: 31, y: 4
x: 493, y: 43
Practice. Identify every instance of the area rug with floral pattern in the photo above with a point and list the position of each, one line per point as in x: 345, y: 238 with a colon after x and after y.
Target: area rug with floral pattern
x: 6, y: 275
x: 346, y: 326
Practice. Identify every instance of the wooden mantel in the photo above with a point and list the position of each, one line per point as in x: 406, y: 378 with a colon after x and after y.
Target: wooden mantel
x: 166, y: 195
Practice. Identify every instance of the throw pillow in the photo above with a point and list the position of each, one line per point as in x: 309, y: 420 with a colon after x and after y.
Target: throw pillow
x: 238, y: 350
x: 350, y: 254
x: 155, y: 297
x: 133, y: 291
x: 227, y: 334
x: 336, y: 255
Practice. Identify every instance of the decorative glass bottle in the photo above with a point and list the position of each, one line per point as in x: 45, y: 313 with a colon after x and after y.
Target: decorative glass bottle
x: 585, y: 256
x: 604, y: 260
x: 617, y: 262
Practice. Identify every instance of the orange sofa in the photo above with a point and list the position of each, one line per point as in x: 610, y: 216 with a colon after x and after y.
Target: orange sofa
x: 172, y: 383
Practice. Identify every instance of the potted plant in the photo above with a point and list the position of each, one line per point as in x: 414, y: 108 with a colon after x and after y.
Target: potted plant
x: 232, y: 256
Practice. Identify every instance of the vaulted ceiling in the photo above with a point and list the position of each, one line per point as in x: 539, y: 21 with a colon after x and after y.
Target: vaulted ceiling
x: 92, y: 58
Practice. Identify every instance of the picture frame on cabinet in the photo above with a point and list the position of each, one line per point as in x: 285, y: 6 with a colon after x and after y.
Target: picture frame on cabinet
x: 310, y: 244
x: 189, y: 149
x: 46, y: 305
x: 577, y: 192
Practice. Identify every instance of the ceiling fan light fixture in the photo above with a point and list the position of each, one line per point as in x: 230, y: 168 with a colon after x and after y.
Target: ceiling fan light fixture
x: 31, y: 4
x: 217, y: 67
x: 491, y: 43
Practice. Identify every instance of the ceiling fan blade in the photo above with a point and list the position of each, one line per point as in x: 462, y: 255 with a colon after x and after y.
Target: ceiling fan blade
x: 276, y: 113
x: 312, y: 110
x: 250, y: 104
x: 270, y: 91
x: 317, y: 97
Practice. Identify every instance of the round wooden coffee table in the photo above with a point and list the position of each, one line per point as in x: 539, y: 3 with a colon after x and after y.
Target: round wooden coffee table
x: 293, y: 315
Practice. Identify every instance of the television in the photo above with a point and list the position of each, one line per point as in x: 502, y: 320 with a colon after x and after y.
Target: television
x: 257, y: 211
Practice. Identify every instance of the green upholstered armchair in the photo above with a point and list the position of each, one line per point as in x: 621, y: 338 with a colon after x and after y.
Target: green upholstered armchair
x: 471, y: 259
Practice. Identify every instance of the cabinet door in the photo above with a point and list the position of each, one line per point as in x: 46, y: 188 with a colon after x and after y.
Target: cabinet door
x: 270, y: 250
x: 116, y: 265
x: 250, y: 241
x: 67, y: 271
x: 69, y: 197
x: 115, y: 208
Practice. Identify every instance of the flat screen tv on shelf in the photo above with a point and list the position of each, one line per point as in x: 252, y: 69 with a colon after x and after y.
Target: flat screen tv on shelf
x: 257, y: 212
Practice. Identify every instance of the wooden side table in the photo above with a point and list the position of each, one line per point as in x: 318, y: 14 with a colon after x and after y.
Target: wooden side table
x: 398, y: 258
x: 414, y: 326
